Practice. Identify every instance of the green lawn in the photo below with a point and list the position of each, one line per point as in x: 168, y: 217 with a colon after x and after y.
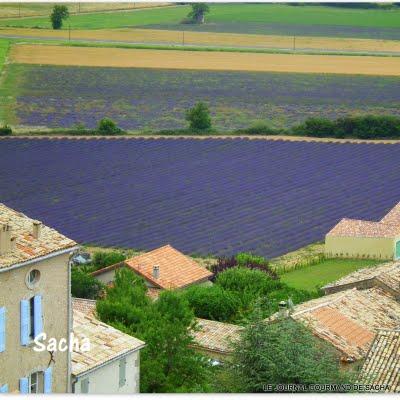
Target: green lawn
x: 4, y: 45
x: 220, y: 13
x: 318, y: 275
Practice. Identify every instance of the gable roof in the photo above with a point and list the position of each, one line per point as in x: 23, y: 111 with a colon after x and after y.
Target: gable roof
x: 393, y: 216
x: 349, y: 319
x: 176, y: 270
x: 106, y: 343
x: 216, y: 336
x: 85, y: 306
x: 382, y: 364
x: 388, y: 274
x: 27, y: 247
x: 358, y: 228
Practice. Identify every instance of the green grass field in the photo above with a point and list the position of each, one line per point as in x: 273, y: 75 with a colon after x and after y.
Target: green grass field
x: 4, y: 46
x: 221, y: 13
x: 318, y: 275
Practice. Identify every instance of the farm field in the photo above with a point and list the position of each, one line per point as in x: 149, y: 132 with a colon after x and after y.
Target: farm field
x: 197, y: 60
x: 232, y: 40
x: 204, y: 197
x: 58, y: 96
x: 10, y: 10
x: 318, y: 275
x: 280, y: 19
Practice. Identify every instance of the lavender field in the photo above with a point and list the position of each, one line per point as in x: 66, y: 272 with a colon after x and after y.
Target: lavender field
x: 205, y: 197
x: 157, y: 99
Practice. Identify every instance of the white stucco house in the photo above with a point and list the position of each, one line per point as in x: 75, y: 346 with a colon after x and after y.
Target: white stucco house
x: 112, y: 365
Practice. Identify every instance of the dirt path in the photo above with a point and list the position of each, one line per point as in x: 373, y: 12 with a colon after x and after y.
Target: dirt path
x: 198, y: 60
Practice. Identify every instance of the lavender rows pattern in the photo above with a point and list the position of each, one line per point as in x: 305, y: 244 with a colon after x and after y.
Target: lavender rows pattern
x: 157, y: 99
x: 204, y: 197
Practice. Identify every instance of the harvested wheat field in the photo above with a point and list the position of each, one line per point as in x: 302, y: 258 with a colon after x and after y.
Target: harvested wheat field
x: 199, y: 60
x: 212, y: 39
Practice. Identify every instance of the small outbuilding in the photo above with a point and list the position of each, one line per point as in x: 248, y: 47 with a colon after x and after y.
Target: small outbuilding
x: 352, y: 238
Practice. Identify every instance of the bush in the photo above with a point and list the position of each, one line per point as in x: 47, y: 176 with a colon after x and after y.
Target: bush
x: 260, y: 128
x: 102, y: 259
x: 212, y: 302
x: 199, y: 117
x: 317, y: 127
x: 5, y: 131
x: 107, y: 126
x: 60, y: 12
x: 84, y: 285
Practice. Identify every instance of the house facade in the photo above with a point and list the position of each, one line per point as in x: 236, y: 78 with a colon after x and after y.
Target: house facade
x: 34, y: 299
x: 352, y: 238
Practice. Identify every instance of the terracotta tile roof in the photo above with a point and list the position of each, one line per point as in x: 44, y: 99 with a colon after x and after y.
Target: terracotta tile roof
x: 216, y: 336
x: 106, y: 343
x: 175, y: 269
x: 27, y: 247
x: 153, y: 293
x: 393, y: 216
x: 350, y: 319
x: 358, y: 228
x: 85, y: 306
x: 382, y: 364
x: 387, y: 273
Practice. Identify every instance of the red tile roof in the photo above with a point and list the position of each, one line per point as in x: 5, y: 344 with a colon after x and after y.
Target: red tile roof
x: 359, y: 228
x: 393, y: 216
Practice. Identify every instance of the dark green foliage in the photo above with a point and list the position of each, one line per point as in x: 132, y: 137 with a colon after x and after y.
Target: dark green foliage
x: 197, y: 13
x: 362, y: 127
x: 284, y: 352
x: 102, y: 259
x: 213, y: 302
x: 5, y: 130
x: 236, y: 291
x: 59, y: 13
x: 199, y: 117
x: 84, y: 285
x: 260, y: 128
x: 168, y: 364
x: 107, y: 126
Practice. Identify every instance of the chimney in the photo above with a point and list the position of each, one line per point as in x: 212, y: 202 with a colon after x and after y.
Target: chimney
x: 37, y: 229
x: 156, y: 272
x: 5, y: 238
x: 13, y: 243
x: 283, y: 311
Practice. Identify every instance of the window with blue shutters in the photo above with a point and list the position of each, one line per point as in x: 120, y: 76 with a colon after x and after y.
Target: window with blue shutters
x: 3, y: 388
x: 2, y: 329
x: 24, y: 385
x: 25, y: 322
x: 48, y: 380
x: 37, y: 315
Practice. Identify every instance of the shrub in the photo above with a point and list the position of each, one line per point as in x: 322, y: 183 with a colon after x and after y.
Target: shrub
x: 84, y: 285
x: 60, y: 12
x: 102, y: 259
x: 107, y: 126
x: 317, y: 127
x: 260, y: 128
x: 212, y: 302
x: 5, y: 130
x: 199, y: 117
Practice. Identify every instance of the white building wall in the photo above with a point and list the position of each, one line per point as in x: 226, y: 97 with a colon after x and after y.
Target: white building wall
x: 105, y: 380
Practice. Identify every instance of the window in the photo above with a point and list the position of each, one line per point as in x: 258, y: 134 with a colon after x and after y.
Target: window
x: 32, y: 278
x: 32, y: 318
x: 36, y: 382
x: 85, y: 385
x: 122, y: 372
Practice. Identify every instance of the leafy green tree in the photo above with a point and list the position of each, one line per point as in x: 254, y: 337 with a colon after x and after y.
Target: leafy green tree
x: 107, y: 126
x: 198, y: 11
x: 84, y: 285
x: 102, y: 259
x: 283, y: 352
x: 59, y: 13
x: 199, y: 117
x: 168, y: 364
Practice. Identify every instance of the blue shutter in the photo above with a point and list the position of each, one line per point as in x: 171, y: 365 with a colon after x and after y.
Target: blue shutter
x: 4, y: 389
x: 38, y: 320
x: 25, y: 320
x: 24, y: 385
x: 2, y: 329
x: 48, y: 379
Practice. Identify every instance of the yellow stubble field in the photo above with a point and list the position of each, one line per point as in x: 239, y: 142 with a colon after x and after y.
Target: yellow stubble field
x: 153, y: 36
x: 201, y: 60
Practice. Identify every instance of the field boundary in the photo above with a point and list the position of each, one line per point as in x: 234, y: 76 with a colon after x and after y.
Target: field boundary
x: 204, y: 137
